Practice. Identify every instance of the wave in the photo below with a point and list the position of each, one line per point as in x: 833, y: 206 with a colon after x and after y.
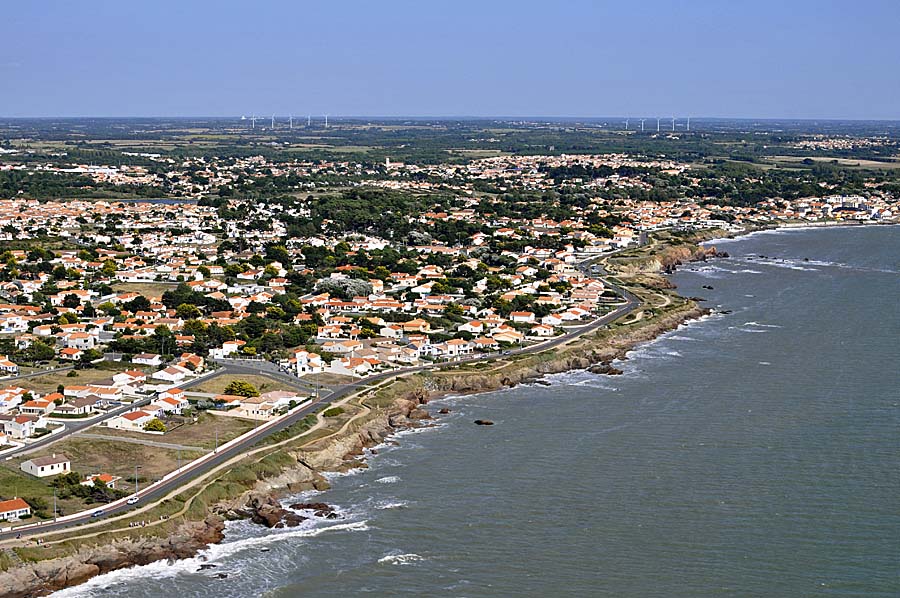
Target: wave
x: 391, y: 479
x: 97, y: 586
x: 758, y: 325
x: 401, y: 559
x: 389, y: 505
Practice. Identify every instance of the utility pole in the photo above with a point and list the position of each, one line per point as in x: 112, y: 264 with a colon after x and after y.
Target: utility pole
x: 54, y: 503
x: 135, y: 480
x: 217, y: 440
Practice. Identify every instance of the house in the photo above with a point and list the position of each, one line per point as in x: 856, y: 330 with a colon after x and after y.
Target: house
x: 350, y: 366
x: 37, y: 407
x: 102, y: 479
x: 473, y: 327
x: 79, y: 406
x: 42, y: 467
x: 133, y: 420
x: 522, y: 317
x: 20, y: 427
x: 484, y: 343
x: 13, y: 510
x: 147, y: 359
x: 8, y: 367
x: 307, y: 362
x: 416, y: 325
x: 280, y: 398
x: 71, y: 354
x: 541, y: 330
x: 228, y: 348
x: 173, y: 373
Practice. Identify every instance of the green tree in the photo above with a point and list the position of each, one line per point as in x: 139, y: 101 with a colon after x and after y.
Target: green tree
x: 155, y: 425
x: 241, y: 388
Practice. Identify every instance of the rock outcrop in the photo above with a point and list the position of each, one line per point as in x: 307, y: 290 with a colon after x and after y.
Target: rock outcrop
x: 44, y: 577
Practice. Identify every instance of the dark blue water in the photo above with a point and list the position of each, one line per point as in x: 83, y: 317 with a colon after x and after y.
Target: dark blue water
x: 749, y: 454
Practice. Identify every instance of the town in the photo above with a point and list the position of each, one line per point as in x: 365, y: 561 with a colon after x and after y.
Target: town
x: 194, y: 298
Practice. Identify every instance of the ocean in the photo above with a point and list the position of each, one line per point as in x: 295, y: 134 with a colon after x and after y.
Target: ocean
x: 754, y: 452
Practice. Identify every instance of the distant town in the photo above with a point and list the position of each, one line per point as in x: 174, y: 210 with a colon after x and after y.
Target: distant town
x: 164, y: 288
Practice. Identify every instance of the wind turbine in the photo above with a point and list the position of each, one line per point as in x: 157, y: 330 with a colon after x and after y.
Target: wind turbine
x: 273, y: 121
x: 689, y: 123
x: 253, y: 122
x: 642, y: 125
x: 326, y: 121
x: 291, y: 122
x: 308, y: 120
x: 657, y: 124
x: 673, y: 123
x: 626, y: 124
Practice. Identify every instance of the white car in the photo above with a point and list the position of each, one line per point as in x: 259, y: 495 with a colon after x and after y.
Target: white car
x: 132, y: 500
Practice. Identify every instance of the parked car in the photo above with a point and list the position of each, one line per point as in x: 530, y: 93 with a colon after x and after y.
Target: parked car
x: 133, y: 500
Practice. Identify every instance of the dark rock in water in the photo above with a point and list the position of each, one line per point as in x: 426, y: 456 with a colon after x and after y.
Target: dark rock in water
x: 265, y: 510
x: 483, y: 422
x: 725, y: 311
x: 220, y: 575
x: 707, y: 287
x: 206, y: 566
x: 319, y: 509
x: 605, y: 369
x: 543, y: 383
x: 806, y: 259
x: 444, y: 411
x: 265, y: 549
x: 697, y: 299
x: 373, y: 451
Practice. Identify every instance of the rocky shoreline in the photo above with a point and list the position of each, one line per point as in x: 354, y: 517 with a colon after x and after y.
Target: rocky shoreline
x: 262, y: 503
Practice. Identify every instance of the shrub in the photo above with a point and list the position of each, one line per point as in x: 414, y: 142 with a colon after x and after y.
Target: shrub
x: 333, y: 411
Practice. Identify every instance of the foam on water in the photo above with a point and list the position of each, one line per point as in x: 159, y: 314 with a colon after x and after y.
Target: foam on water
x: 96, y: 587
x: 391, y: 479
x: 401, y: 559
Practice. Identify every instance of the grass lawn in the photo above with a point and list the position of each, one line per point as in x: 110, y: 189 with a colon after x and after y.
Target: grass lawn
x: 148, y: 289
x: 217, y: 385
x: 90, y: 455
x: 48, y: 382
x: 200, y: 434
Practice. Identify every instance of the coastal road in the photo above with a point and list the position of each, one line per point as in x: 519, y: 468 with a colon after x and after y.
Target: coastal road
x: 255, y: 436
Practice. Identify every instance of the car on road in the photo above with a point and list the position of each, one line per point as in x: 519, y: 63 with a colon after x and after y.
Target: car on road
x: 97, y: 513
x: 133, y: 500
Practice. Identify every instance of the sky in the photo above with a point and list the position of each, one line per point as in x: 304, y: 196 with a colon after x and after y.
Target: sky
x: 716, y: 58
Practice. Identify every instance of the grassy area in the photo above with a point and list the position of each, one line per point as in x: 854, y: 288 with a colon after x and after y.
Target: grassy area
x: 217, y: 385
x: 148, y: 289
x: 91, y: 455
x: 200, y: 434
x: 49, y: 382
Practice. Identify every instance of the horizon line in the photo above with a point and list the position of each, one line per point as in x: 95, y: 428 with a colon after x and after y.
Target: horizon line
x: 320, y: 116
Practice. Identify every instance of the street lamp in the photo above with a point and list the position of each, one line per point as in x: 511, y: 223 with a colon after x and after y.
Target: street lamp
x: 136, y: 467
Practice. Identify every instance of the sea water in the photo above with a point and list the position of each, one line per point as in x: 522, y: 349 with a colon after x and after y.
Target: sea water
x: 750, y: 453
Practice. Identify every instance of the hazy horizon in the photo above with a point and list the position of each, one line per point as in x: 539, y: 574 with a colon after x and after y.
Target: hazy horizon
x: 766, y: 60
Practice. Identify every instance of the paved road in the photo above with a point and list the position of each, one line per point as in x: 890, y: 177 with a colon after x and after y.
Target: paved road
x: 338, y: 392
x: 36, y: 374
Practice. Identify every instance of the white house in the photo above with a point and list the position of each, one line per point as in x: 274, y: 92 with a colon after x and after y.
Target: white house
x: 308, y: 363
x: 8, y: 367
x: 42, y: 467
x: 12, y: 510
x: 147, y: 359
x: 133, y: 420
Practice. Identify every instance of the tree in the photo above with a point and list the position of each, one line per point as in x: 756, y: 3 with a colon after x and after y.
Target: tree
x: 39, y: 351
x: 241, y: 388
x: 71, y: 301
x: 186, y: 311
x: 155, y: 425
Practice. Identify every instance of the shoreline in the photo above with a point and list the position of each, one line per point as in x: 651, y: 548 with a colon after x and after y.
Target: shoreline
x: 376, y: 415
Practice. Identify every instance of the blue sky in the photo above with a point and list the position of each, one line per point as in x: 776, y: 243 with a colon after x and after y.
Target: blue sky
x: 728, y: 58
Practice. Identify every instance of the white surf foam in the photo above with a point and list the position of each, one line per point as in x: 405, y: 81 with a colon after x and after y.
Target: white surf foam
x: 401, y: 559
x: 97, y: 586
x: 391, y: 479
